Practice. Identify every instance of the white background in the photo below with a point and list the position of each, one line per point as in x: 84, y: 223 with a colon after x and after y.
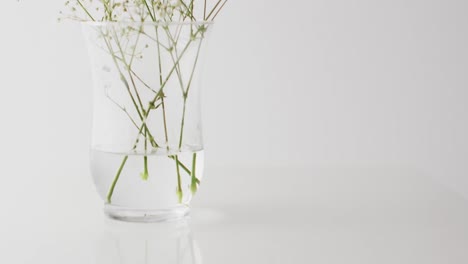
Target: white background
x: 335, y: 132
x: 303, y: 84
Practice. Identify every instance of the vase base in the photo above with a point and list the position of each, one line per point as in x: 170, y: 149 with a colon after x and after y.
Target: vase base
x: 146, y: 216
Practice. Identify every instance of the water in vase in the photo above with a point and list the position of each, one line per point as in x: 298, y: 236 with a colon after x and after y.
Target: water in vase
x: 152, y: 181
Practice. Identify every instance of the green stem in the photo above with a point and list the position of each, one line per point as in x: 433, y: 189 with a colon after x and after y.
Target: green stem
x: 204, y: 11
x: 161, y: 83
x: 85, y: 10
x: 145, y: 174
x: 189, y: 11
x: 116, y: 179
x: 180, y: 193
x: 125, y: 111
x: 143, y: 82
x: 149, y: 11
x: 193, y: 185
x: 186, y: 95
x: 182, y: 123
x: 134, y: 47
x: 194, y: 66
x: 212, y: 10
x: 181, y: 165
x: 217, y: 12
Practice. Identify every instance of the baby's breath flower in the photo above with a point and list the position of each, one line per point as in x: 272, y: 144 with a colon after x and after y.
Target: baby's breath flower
x: 138, y: 10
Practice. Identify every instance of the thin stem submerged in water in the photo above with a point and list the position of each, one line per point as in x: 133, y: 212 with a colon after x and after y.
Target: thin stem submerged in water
x: 195, y: 181
x: 180, y: 193
x: 116, y: 179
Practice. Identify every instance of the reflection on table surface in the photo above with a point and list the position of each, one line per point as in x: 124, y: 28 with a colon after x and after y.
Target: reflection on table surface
x: 131, y: 243
x: 361, y: 217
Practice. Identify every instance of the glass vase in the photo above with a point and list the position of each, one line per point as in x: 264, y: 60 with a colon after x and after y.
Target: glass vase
x: 147, y: 146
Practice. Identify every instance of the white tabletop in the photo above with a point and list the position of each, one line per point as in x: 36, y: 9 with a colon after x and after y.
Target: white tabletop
x: 281, y: 216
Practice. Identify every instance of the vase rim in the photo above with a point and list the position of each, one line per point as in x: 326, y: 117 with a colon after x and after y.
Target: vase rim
x: 151, y: 23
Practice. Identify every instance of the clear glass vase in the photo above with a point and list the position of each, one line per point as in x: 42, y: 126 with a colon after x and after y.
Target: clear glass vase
x: 147, y: 147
